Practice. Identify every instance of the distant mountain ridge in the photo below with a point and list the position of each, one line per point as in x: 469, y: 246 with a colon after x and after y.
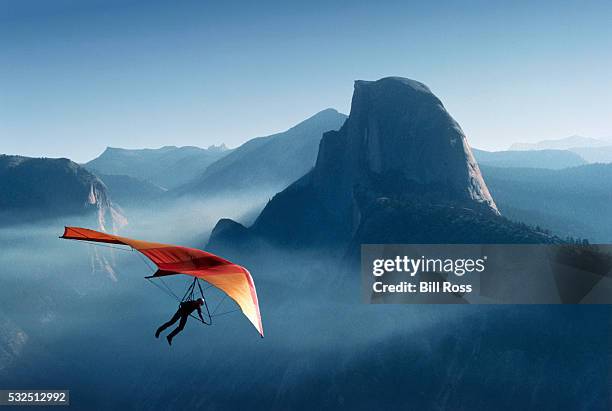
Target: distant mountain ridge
x: 552, y: 159
x: 398, y: 153
x: 167, y: 167
x: 592, y: 150
x: 267, y: 163
x: 128, y: 191
x: 562, y: 143
x: 601, y: 154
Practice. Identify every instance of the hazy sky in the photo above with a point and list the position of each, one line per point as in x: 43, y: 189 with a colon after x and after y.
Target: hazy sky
x: 77, y: 76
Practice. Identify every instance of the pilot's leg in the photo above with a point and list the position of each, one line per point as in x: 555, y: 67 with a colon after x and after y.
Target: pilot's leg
x: 174, y: 319
x: 179, y: 328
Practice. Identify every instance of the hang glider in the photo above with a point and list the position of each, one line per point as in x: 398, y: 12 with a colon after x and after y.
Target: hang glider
x: 232, y: 279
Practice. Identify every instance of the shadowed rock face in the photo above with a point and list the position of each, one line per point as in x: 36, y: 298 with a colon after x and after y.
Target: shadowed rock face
x: 39, y: 188
x: 400, y: 132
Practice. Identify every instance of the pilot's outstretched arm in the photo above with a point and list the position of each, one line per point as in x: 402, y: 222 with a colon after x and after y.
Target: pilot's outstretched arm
x: 200, y: 314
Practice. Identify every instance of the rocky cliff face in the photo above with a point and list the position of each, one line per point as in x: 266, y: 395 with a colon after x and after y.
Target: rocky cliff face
x: 399, y: 130
x: 37, y: 188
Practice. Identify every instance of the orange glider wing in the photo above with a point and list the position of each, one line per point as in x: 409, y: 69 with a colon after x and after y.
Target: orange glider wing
x: 233, y: 279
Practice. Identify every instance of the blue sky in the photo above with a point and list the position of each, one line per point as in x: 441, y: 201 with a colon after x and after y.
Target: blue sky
x: 77, y: 76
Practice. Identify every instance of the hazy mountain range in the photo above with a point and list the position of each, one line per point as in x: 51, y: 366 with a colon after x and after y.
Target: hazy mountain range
x: 553, y: 159
x: 270, y: 162
x: 592, y: 150
x: 351, y: 162
x: 565, y: 143
x: 166, y: 167
x: 267, y: 163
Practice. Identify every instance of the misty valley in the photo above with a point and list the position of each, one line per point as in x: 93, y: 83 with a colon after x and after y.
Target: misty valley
x: 87, y: 317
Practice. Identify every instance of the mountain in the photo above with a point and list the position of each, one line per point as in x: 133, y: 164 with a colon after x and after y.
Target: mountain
x: 592, y: 150
x: 167, y: 167
x: 561, y: 144
x: 34, y: 188
x: 601, y: 154
x: 399, y: 153
x: 127, y: 190
x: 268, y: 163
x: 571, y: 201
x: 553, y: 159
